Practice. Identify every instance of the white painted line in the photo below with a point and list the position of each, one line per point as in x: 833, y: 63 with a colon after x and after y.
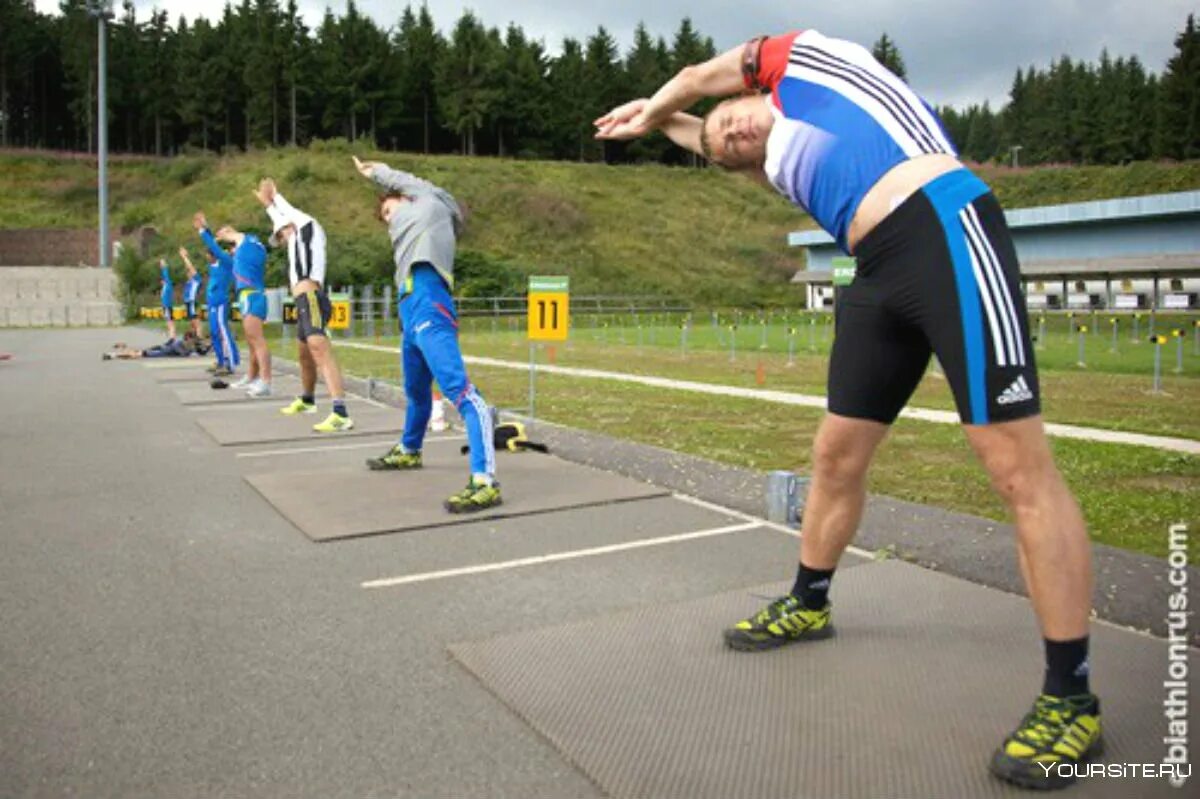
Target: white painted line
x: 557, y: 556
x: 1186, y: 445
x: 737, y: 514
x: 329, y: 448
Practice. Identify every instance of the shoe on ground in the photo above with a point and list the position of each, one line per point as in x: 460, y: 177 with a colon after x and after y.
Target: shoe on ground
x: 1055, y: 736
x: 298, y: 406
x: 258, y: 389
x: 334, y: 424
x: 474, y: 498
x: 782, y: 622
x: 222, y: 371
x: 395, y: 458
x: 242, y: 382
x: 212, y: 368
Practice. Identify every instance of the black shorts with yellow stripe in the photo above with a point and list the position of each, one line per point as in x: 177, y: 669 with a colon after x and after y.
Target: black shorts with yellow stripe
x: 312, y: 314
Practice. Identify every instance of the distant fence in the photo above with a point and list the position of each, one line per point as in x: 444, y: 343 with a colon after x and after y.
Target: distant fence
x: 581, y: 305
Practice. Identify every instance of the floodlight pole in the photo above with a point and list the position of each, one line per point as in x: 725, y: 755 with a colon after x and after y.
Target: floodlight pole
x: 100, y: 10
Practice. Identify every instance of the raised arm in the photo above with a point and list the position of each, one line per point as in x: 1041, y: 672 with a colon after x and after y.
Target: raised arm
x: 289, y: 211
x: 684, y: 130
x: 277, y: 206
x: 718, y: 77
x: 183, y: 253
x: 390, y: 179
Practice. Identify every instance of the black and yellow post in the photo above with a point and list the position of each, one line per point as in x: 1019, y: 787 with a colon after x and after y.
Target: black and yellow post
x: 1082, y: 337
x: 684, y: 327
x: 1177, y: 334
x: 1158, y: 342
x: 732, y: 343
x: 1116, y: 328
x: 791, y: 346
x: 288, y: 317
x: 1041, y: 334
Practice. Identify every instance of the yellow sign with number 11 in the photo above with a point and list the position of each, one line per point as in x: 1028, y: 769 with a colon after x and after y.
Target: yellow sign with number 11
x: 549, y: 308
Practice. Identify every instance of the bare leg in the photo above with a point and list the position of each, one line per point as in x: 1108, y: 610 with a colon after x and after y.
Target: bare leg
x: 308, y: 368
x: 321, y: 353
x: 1052, y: 541
x: 258, y: 345
x: 842, y: 452
x: 170, y: 328
x: 252, y: 358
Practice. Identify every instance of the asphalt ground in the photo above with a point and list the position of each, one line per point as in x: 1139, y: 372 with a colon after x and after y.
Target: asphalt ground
x: 164, y: 632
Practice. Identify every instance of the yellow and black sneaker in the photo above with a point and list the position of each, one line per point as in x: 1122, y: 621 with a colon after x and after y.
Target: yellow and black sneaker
x: 298, y: 406
x: 1052, y: 739
x: 475, y: 497
x: 395, y: 458
x: 783, y: 621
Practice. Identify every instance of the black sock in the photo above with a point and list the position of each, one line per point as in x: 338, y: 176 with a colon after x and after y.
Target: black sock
x: 1066, y: 667
x: 812, y: 586
x: 339, y: 407
x: 308, y: 399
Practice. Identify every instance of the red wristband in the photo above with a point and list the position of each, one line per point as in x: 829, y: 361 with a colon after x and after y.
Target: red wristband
x: 751, y: 54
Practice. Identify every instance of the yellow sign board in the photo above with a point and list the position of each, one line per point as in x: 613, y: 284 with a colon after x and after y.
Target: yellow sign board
x: 549, y: 308
x: 339, y: 318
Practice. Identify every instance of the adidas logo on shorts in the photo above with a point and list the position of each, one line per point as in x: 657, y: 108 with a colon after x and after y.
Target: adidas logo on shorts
x: 1019, y: 391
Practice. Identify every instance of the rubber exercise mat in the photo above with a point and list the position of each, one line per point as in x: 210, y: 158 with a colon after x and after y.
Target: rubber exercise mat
x: 355, y: 501
x: 924, y: 677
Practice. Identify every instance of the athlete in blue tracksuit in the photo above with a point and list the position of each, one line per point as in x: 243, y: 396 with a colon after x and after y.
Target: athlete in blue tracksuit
x: 167, y: 297
x: 216, y: 294
x: 191, y: 288
x: 248, y: 266
x: 423, y: 223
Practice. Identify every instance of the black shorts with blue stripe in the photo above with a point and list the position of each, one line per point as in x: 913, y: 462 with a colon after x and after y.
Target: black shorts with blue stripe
x: 939, y: 275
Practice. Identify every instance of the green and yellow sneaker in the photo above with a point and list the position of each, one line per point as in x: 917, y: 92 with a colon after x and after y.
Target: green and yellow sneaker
x: 334, y: 424
x: 395, y: 458
x: 298, y: 406
x: 475, y: 497
x: 1053, y: 738
x: 783, y: 621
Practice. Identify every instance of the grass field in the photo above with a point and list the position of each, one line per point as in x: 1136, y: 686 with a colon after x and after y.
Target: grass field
x: 1129, y: 494
x: 696, y: 234
x: 1112, y: 391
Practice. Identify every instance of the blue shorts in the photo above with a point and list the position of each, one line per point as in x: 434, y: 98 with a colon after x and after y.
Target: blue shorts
x: 252, y: 303
x: 191, y: 309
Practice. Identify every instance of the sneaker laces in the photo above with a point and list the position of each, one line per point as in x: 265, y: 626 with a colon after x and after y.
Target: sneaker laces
x: 1045, y: 723
x: 776, y: 610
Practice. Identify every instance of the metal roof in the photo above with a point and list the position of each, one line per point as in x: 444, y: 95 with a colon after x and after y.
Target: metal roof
x: 1150, y: 206
x: 1186, y: 265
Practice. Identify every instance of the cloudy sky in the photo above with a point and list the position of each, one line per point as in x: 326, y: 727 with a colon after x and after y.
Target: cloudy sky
x: 957, y: 51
